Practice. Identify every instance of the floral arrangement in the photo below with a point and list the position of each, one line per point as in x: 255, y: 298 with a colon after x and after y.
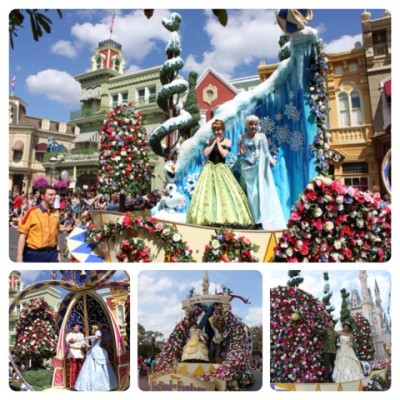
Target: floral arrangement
x: 40, y: 182
x: 36, y: 331
x: 135, y: 250
x: 124, y: 163
x: 378, y: 365
x: 335, y: 223
x: 228, y: 246
x: 295, y: 347
x: 363, y: 338
x: 235, y: 368
x: 61, y: 184
x: 318, y: 103
x: 377, y: 384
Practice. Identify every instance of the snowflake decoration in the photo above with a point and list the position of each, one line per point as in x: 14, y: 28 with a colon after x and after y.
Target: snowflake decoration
x: 296, y: 141
x: 282, y: 134
x: 292, y: 112
x: 291, y: 95
x: 278, y: 117
x: 182, y: 204
x: 230, y: 160
x: 267, y: 125
x: 191, y: 183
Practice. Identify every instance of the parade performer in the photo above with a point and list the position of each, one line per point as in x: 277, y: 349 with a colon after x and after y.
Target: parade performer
x: 217, y: 324
x: 347, y: 365
x: 218, y: 199
x: 97, y: 373
x: 38, y: 239
x: 329, y: 349
x: 75, y: 356
x: 253, y: 164
x: 196, y: 347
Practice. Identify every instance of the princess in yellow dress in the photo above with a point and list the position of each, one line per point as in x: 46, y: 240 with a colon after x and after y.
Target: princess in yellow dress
x: 196, y: 348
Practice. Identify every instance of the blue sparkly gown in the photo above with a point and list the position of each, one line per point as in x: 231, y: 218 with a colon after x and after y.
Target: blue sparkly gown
x: 97, y: 373
x: 258, y: 183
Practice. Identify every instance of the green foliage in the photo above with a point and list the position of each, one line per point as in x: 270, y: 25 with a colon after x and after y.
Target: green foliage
x: 295, y: 279
x: 192, y: 107
x: 39, y: 23
x: 40, y: 378
x: 345, y: 315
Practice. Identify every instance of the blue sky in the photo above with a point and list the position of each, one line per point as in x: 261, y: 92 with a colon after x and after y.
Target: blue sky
x: 160, y: 294
x: 338, y: 279
x: 44, y: 70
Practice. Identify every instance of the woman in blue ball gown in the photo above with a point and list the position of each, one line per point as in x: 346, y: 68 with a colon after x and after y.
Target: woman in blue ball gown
x: 253, y: 163
x: 97, y: 373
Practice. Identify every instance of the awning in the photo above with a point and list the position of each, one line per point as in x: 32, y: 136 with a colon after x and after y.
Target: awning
x: 387, y: 86
x: 87, y: 137
x: 18, y: 145
x: 41, y: 148
x: 91, y: 93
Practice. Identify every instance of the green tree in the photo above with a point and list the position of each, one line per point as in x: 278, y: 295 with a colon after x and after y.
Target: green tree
x: 192, y: 107
x: 256, y: 334
x: 38, y: 20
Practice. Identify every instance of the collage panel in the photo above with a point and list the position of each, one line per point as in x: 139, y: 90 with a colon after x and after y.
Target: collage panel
x: 330, y: 330
x: 274, y: 149
x: 69, y: 330
x: 200, y: 330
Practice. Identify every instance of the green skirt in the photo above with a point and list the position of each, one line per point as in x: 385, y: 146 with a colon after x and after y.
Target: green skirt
x: 218, y: 199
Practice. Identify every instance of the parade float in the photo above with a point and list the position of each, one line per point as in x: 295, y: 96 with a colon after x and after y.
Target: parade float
x: 296, y: 348
x: 228, y: 371
x: 85, y: 306
x: 292, y: 107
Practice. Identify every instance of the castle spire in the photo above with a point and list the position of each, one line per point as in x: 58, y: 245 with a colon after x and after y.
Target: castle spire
x: 206, y: 283
x: 378, y: 300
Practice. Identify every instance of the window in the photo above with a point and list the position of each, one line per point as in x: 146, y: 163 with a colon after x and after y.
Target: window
x: 355, y: 168
x: 356, y: 109
x: 98, y: 62
x: 117, y: 64
x: 114, y: 100
x: 353, y: 67
x: 379, y: 41
x: 124, y: 97
x: 338, y: 69
x: 39, y: 156
x: 140, y: 94
x: 358, y: 182
x: 152, y: 94
x: 350, y: 109
x: 344, y: 110
x: 17, y: 155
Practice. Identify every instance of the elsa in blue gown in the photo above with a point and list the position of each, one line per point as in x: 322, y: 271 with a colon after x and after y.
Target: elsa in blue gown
x: 256, y: 179
x: 97, y: 373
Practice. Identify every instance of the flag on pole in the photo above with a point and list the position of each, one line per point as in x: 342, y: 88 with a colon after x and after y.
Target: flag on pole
x: 112, y: 23
x: 13, y: 80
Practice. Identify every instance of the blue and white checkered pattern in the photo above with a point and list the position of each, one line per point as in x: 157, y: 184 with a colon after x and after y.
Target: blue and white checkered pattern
x: 80, y: 249
x: 291, y: 20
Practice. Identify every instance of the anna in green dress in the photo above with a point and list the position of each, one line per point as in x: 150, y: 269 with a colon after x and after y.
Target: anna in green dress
x: 218, y: 199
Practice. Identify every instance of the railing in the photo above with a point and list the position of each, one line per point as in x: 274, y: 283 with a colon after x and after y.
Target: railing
x: 349, y: 135
x: 78, y: 114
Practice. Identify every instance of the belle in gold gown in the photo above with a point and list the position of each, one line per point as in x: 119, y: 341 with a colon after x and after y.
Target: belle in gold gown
x: 196, y: 348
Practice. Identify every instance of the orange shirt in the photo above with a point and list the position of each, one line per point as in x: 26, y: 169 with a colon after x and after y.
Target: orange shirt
x: 40, y: 227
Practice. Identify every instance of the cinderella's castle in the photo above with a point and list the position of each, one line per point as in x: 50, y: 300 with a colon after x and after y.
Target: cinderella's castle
x: 374, y: 312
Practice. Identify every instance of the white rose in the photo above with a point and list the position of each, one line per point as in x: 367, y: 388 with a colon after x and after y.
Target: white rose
x: 339, y: 200
x: 176, y: 237
x: 317, y: 212
x: 215, y: 244
x: 337, y: 244
x: 328, y: 226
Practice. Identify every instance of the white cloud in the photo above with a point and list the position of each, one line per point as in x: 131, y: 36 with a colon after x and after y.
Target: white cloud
x: 55, y: 85
x: 138, y: 35
x: 31, y: 276
x: 64, y: 48
x: 250, y: 35
x: 254, y: 316
x: 344, y: 43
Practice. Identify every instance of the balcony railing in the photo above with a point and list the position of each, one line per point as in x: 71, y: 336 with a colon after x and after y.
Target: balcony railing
x: 350, y: 135
x: 78, y: 114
